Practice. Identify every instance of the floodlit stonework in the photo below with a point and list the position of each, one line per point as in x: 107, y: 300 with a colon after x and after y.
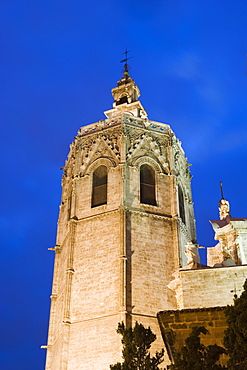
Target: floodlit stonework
x: 209, y: 287
x: 126, y: 241
x: 231, y: 233
x: 176, y: 327
x: 198, y: 286
x: 114, y: 260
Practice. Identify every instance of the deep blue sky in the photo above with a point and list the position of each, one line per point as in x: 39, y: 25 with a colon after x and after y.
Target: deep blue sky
x: 59, y: 60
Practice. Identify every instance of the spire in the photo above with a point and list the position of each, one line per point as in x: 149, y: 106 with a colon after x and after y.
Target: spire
x: 221, y: 190
x: 125, y: 61
x: 126, y: 90
x: 126, y: 94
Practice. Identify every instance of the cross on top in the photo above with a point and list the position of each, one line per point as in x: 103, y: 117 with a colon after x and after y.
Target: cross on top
x: 125, y: 61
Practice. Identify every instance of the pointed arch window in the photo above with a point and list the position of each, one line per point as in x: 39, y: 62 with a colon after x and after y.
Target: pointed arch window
x: 181, y: 204
x: 99, y: 190
x: 147, y: 185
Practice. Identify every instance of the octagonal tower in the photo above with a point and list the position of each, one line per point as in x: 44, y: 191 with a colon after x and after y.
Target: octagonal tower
x: 125, y: 217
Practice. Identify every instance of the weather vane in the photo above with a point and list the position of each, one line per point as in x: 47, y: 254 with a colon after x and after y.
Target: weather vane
x: 221, y: 190
x: 125, y: 61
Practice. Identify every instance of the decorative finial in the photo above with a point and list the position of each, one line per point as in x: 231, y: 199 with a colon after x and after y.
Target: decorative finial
x: 126, y: 94
x: 221, y: 190
x: 125, y: 61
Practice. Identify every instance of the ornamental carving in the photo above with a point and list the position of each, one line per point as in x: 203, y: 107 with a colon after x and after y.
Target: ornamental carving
x: 103, y: 145
x: 127, y: 118
x: 86, y: 148
x: 181, y: 165
x: 99, y: 126
x: 138, y: 162
x: 148, y: 144
x: 108, y: 162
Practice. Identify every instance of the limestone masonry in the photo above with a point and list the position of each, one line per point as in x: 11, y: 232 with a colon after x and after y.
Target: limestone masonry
x: 126, y: 242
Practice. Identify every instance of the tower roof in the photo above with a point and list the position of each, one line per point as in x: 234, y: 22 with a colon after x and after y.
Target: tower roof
x: 126, y: 91
x: 126, y: 96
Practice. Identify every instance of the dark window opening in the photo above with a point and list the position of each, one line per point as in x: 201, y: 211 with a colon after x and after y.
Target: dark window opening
x: 69, y: 206
x: 99, y: 191
x: 181, y: 204
x: 122, y: 100
x: 147, y: 185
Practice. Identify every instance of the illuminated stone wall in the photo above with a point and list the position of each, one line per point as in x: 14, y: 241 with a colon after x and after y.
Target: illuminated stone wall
x: 114, y: 262
x: 209, y: 287
x: 176, y: 327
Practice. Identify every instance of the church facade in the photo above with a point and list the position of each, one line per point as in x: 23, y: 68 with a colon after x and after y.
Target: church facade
x: 126, y: 232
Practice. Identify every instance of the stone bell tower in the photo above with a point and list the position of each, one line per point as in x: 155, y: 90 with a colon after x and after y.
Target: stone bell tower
x: 125, y: 218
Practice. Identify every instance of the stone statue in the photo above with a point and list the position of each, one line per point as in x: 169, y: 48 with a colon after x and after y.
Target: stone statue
x: 224, y: 208
x: 192, y: 255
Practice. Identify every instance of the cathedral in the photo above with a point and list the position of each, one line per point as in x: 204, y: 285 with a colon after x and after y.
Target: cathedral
x: 126, y: 245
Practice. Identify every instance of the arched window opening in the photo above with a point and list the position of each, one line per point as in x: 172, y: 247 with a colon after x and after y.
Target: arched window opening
x: 147, y: 185
x: 181, y: 204
x: 99, y: 191
x: 122, y: 100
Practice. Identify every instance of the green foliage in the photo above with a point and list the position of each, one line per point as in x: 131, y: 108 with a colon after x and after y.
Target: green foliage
x: 235, y: 339
x: 195, y: 355
x: 136, y: 345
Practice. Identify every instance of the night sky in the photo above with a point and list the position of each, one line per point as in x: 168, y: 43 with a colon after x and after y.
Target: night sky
x: 59, y: 61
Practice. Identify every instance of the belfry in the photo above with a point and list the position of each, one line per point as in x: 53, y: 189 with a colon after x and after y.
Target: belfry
x: 125, y: 219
